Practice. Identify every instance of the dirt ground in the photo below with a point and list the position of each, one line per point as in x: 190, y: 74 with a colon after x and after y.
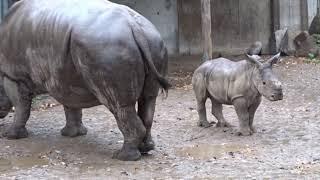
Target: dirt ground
x: 286, y: 145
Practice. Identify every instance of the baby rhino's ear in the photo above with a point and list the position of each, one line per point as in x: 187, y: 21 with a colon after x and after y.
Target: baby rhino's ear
x: 273, y: 60
x: 255, y: 60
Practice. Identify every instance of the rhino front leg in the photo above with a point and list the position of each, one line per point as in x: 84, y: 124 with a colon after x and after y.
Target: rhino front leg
x: 252, y: 111
x: 241, y: 108
x: 217, y: 113
x: 146, y: 108
x: 74, y: 126
x: 133, y: 131
x: 21, y: 99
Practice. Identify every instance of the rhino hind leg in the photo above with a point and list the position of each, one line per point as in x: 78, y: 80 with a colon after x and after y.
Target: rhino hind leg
x: 133, y: 131
x: 21, y: 99
x: 202, y: 112
x: 146, y: 108
x: 201, y: 95
x: 74, y: 126
x: 217, y: 113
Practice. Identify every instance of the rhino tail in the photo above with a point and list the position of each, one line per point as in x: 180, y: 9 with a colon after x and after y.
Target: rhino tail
x: 143, y: 45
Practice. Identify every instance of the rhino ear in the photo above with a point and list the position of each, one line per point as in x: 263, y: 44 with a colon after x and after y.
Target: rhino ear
x: 274, y: 59
x: 255, y: 59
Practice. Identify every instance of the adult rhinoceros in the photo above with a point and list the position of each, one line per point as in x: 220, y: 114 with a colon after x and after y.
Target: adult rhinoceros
x: 83, y: 53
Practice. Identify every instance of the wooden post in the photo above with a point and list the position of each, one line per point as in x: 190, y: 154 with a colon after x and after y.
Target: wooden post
x: 304, y: 15
x: 206, y: 29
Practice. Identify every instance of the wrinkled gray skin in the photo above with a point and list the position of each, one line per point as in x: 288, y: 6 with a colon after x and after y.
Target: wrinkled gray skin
x: 235, y: 83
x: 83, y: 53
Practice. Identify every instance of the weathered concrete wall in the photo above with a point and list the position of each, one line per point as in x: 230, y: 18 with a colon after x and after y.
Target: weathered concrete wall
x: 290, y: 14
x: 163, y: 14
x: 238, y: 23
x: 190, y: 34
x: 312, y: 10
x: 295, y: 16
x: 235, y: 25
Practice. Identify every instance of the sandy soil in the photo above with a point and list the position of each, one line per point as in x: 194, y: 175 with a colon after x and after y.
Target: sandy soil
x: 286, y: 145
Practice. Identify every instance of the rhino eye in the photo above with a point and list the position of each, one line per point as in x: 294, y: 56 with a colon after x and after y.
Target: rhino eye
x: 264, y: 83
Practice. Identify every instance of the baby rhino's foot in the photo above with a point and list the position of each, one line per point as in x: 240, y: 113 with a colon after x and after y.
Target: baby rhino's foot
x: 253, y: 129
x: 244, y: 132
x: 223, y: 124
x: 204, y: 124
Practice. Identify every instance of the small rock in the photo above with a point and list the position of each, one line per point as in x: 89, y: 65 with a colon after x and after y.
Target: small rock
x: 124, y: 173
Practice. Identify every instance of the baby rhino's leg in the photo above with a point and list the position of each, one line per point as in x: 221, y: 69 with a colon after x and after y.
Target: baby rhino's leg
x: 217, y: 113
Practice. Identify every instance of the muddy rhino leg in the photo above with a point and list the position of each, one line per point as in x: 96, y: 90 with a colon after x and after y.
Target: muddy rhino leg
x: 202, y: 112
x: 74, y: 126
x: 217, y: 113
x: 133, y: 131
x: 241, y: 108
x: 201, y: 96
x: 252, y: 111
x: 21, y: 99
x: 146, y: 108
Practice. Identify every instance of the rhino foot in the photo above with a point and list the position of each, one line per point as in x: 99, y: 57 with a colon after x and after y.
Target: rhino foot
x: 205, y: 124
x: 146, y: 146
x: 244, y: 132
x: 253, y: 129
x: 74, y: 131
x: 223, y: 124
x: 127, y: 154
x: 16, y: 133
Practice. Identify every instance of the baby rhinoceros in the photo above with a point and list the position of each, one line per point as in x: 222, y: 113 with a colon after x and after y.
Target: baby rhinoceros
x: 235, y: 83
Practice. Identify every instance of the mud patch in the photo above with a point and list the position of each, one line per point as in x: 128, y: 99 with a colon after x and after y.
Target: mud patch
x: 209, y: 151
x: 14, y: 164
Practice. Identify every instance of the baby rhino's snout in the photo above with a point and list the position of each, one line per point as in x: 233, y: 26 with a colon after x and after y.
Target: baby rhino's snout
x: 278, y: 94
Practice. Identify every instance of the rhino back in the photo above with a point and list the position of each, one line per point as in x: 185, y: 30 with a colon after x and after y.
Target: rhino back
x: 38, y: 36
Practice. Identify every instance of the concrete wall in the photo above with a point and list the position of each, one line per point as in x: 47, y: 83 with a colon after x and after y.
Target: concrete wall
x: 238, y: 23
x: 290, y: 14
x: 190, y: 34
x: 235, y: 25
x: 163, y: 14
x: 312, y: 10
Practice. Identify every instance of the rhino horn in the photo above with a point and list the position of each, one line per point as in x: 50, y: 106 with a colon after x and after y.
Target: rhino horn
x: 273, y: 60
x: 255, y: 59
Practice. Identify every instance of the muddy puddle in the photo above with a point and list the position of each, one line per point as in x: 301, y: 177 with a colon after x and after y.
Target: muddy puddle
x: 13, y: 164
x: 209, y: 151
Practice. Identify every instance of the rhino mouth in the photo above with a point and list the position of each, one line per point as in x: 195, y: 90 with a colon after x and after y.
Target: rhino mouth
x: 276, y: 97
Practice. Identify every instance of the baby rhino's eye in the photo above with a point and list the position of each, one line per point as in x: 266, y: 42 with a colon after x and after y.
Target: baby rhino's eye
x: 264, y: 83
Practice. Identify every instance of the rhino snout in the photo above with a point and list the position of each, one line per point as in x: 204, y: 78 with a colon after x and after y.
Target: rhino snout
x: 277, y: 96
